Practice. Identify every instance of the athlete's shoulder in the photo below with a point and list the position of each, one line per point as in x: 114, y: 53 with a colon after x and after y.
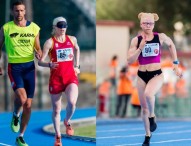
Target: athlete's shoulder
x: 49, y: 41
x: 135, y: 39
x: 73, y: 39
x: 162, y: 35
x: 8, y: 24
x: 35, y: 25
x: 134, y: 42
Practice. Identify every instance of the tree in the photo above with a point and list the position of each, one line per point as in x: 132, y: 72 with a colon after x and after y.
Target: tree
x: 169, y: 12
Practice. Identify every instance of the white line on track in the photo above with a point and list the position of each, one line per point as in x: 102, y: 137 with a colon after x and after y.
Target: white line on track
x: 166, y: 141
x: 134, y: 129
x: 161, y: 133
x: 4, y: 144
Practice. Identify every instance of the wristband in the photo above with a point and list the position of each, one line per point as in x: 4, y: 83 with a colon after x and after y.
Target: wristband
x: 49, y: 64
x: 176, y: 62
x: 77, y: 66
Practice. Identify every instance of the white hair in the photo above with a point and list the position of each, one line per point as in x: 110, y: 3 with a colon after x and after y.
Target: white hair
x: 55, y: 21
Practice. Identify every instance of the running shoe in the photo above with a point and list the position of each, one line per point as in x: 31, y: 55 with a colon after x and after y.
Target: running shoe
x: 147, y: 141
x: 58, y: 141
x: 15, y: 125
x: 20, y: 141
x: 153, y: 125
x: 69, y: 130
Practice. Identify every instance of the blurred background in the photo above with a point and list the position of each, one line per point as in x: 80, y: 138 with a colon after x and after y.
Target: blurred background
x: 116, y: 24
x: 80, y: 15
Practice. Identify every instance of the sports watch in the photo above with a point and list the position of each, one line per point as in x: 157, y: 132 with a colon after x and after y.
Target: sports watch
x: 78, y: 66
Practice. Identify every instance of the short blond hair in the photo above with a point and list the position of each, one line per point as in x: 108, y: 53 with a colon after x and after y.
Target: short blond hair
x: 150, y: 15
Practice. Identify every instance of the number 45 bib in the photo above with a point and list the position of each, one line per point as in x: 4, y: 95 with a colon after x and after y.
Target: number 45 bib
x: 64, y: 54
x: 151, y: 49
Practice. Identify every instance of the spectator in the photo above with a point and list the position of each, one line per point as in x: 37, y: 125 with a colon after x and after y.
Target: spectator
x: 104, y: 91
x: 124, y: 90
x: 135, y: 102
x: 113, y: 70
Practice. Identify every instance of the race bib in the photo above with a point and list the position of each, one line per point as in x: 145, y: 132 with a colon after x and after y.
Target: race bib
x: 64, y: 54
x: 150, y: 50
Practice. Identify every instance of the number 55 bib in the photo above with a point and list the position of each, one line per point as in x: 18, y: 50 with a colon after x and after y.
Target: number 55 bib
x: 151, y: 49
x: 64, y: 54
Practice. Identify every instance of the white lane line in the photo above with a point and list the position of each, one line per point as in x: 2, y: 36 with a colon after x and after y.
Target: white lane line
x: 117, y: 130
x: 134, y: 129
x: 4, y: 144
x: 166, y: 141
x: 161, y: 133
x: 111, y: 137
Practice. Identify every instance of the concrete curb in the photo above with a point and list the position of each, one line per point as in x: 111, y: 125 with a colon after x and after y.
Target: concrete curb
x: 75, y: 123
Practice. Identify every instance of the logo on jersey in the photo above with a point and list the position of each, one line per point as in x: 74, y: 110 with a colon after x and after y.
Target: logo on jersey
x: 13, y: 35
x: 70, y: 56
x: 68, y: 43
x: 27, y: 35
x: 23, y: 41
x: 156, y: 51
x: 56, y: 44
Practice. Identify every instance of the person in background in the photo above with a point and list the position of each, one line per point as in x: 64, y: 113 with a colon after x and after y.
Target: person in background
x: 104, y: 95
x: 146, y: 48
x: 113, y: 70
x: 135, y: 102
x: 124, y: 91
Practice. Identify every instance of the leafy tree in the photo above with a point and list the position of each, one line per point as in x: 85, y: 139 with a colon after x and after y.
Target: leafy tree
x: 169, y: 12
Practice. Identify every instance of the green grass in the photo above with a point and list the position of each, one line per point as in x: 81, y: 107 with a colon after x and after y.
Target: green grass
x: 86, y: 131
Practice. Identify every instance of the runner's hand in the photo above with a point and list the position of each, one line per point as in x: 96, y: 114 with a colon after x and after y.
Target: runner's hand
x: 77, y: 70
x: 143, y: 42
x: 38, y: 55
x: 53, y: 65
x: 177, y: 71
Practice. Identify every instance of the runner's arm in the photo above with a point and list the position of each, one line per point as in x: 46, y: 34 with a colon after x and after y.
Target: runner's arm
x: 167, y: 40
x: 164, y: 39
x: 38, y: 51
x: 47, y: 46
x: 77, y: 56
x: 133, y: 52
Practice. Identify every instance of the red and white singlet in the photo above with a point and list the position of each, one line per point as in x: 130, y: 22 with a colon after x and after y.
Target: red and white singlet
x: 63, y: 53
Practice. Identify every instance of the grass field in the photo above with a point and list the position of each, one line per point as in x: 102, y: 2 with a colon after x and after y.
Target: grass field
x: 86, y: 131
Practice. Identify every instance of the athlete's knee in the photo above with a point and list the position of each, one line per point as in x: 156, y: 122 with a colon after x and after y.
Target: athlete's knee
x: 72, y: 104
x: 27, y: 108
x: 56, y: 110
x: 21, y: 100
x: 145, y: 111
x: 27, y: 105
x: 148, y: 95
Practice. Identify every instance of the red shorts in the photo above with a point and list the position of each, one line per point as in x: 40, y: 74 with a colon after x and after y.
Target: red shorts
x: 59, y: 81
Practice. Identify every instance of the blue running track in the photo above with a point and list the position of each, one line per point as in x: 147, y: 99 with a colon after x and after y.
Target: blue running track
x: 131, y: 133
x: 34, y: 135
